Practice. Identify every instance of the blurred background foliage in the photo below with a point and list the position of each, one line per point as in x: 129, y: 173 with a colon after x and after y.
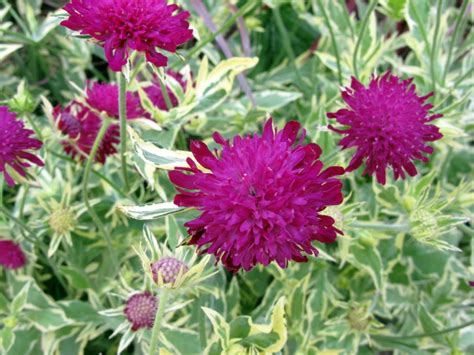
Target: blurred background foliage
x: 398, y: 280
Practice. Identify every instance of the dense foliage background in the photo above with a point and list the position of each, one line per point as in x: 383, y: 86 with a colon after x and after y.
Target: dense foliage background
x: 398, y: 280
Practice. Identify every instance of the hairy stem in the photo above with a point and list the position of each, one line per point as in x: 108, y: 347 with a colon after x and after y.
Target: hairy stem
x: 333, y: 39
x: 288, y: 48
x: 154, y: 349
x: 85, y: 183
x: 454, y: 38
x: 434, y: 44
x: 365, y: 21
x: 381, y: 226
x: 164, y: 90
x: 123, y: 126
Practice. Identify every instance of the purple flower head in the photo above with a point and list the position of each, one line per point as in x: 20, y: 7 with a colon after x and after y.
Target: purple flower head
x: 124, y: 25
x: 11, y: 255
x: 261, y: 198
x: 387, y: 124
x: 81, y: 123
x: 140, y: 310
x: 155, y: 93
x: 169, y: 268
x: 15, y: 145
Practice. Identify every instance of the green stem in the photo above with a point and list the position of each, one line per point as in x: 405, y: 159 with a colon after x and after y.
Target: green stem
x: 347, y: 17
x: 381, y: 226
x: 23, y: 201
x: 365, y: 21
x: 85, y: 183
x: 453, y: 40
x: 421, y: 25
x: 333, y: 39
x: 434, y: 44
x: 202, y: 325
x: 440, y: 332
x: 249, y: 5
x: 154, y: 349
x: 164, y: 90
x: 123, y: 126
x: 288, y: 48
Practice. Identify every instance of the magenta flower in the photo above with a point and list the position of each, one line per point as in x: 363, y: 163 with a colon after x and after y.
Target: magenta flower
x: 387, y: 124
x: 155, y: 94
x: 169, y: 268
x: 81, y: 122
x: 15, y: 145
x: 124, y: 25
x: 11, y: 255
x: 140, y: 310
x: 261, y: 198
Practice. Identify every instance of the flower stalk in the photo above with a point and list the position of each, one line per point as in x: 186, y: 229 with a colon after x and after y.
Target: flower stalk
x: 154, y: 349
x: 122, y: 82
x: 85, y: 183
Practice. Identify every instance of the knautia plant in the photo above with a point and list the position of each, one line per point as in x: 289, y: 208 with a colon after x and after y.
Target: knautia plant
x: 236, y: 177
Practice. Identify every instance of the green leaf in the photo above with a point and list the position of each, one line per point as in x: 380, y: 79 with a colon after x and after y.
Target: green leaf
x: 262, y: 341
x: 396, y: 8
x: 240, y: 327
x: 173, y: 338
x: 47, y: 320
x: 271, y: 100
x: 77, y: 278
x: 81, y: 312
x: 20, y: 299
x: 221, y: 328
x: 367, y: 257
x: 3, y: 304
x: 172, y: 232
x: 226, y: 68
x: 7, y: 338
x: 7, y: 49
x: 158, y: 157
x: 26, y: 342
x: 50, y: 23
x: 151, y: 211
x: 125, y: 341
x: 417, y: 16
x: 277, y: 326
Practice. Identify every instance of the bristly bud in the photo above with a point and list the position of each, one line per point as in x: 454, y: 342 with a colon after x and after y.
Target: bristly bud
x: 62, y: 221
x: 141, y: 310
x: 169, y: 268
